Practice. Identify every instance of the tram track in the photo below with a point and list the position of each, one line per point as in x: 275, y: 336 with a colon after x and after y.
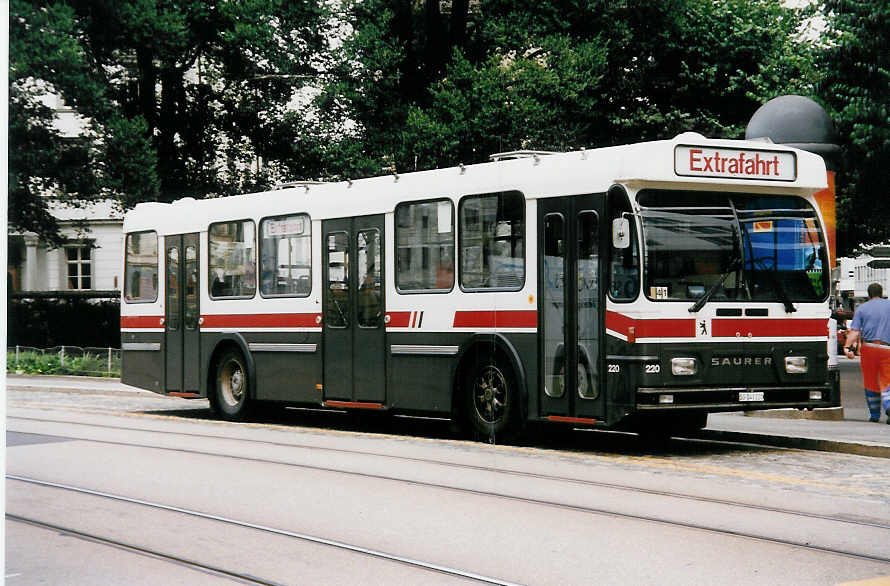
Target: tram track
x: 444, y: 463
x: 402, y: 559
x: 145, y: 551
x: 432, y: 567
x: 576, y: 507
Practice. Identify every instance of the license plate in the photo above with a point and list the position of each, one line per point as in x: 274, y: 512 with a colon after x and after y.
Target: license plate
x: 751, y: 396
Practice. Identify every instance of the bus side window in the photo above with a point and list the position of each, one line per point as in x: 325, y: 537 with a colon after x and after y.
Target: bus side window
x: 141, y: 272
x: 425, y: 246
x: 232, y: 259
x: 286, y: 256
x: 492, y: 241
x: 624, y: 264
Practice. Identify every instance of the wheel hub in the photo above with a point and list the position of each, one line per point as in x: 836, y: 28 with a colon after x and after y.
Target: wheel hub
x: 232, y: 383
x: 490, y: 394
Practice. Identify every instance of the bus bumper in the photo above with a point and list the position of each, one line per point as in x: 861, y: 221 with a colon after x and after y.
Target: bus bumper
x: 734, y: 398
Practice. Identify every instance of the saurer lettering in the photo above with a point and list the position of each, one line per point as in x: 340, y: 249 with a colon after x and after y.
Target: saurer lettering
x: 742, y: 361
x: 737, y: 165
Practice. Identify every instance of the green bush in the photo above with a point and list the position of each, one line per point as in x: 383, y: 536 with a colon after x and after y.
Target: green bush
x: 51, y: 363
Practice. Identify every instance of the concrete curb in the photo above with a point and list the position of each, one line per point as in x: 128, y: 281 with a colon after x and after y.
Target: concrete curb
x: 821, y: 414
x: 83, y: 391
x: 802, y: 443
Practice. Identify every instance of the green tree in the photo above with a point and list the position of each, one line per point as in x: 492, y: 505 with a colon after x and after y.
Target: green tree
x: 545, y: 75
x: 855, y: 87
x: 110, y: 154
x: 183, y: 98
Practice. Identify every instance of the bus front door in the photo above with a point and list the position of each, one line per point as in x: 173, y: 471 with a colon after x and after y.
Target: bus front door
x: 354, y: 304
x: 571, y: 307
x: 182, y: 337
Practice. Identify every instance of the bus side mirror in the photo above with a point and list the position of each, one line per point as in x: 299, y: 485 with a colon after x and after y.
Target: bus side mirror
x: 620, y: 233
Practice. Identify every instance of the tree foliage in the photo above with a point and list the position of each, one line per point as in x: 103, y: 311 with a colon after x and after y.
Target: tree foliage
x: 426, y: 87
x: 855, y: 86
x: 189, y: 98
x: 46, y: 57
x: 180, y: 98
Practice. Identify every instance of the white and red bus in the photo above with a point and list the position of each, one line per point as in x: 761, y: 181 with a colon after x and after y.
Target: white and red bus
x: 646, y: 284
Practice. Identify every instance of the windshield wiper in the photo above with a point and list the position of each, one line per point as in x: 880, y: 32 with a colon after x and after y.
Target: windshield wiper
x: 735, y: 266
x: 783, y: 294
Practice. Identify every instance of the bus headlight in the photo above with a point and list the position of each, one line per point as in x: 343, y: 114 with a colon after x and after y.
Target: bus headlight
x: 796, y: 364
x: 684, y: 366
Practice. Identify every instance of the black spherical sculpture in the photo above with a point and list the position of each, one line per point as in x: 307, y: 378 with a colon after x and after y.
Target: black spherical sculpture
x: 798, y: 122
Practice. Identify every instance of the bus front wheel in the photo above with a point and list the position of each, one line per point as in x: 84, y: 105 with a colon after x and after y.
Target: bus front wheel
x: 232, y: 397
x: 492, y: 400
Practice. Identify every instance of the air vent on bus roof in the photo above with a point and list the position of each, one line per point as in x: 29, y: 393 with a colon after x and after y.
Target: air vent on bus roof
x: 524, y: 154
x: 290, y: 184
x: 690, y: 136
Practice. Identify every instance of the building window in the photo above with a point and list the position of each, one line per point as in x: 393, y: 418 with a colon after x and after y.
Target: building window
x: 79, y: 266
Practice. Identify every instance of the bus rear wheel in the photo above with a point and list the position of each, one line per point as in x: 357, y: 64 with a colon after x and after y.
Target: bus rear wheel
x: 232, y: 392
x: 492, y: 401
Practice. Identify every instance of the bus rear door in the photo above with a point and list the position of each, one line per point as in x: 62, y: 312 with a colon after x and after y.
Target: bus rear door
x: 571, y: 307
x: 353, y: 299
x: 182, y: 337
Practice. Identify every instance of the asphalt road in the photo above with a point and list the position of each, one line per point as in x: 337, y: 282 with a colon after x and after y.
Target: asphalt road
x: 301, y: 498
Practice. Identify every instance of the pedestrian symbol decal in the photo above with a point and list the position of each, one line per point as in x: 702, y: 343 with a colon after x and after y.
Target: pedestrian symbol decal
x: 702, y: 329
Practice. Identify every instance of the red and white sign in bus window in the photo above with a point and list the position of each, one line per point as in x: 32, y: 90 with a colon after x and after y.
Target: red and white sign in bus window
x: 699, y: 161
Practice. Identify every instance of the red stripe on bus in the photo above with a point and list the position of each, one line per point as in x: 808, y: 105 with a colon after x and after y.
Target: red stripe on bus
x: 353, y: 405
x: 398, y: 319
x: 651, y: 328
x: 562, y: 419
x: 769, y: 327
x: 184, y: 395
x: 262, y: 320
x: 496, y: 319
x: 141, y: 321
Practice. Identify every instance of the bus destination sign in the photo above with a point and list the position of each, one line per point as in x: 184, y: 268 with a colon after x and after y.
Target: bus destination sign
x: 699, y: 161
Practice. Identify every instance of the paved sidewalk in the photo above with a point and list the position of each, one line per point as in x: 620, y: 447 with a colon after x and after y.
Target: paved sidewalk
x: 24, y: 382
x: 847, y: 436
x: 853, y: 437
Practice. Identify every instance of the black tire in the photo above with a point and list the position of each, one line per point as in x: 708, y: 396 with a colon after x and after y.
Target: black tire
x: 492, y: 401
x: 231, y: 398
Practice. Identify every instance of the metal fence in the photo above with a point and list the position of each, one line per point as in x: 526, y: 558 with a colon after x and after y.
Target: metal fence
x: 70, y: 360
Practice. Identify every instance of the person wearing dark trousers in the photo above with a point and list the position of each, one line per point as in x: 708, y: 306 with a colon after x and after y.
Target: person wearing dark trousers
x: 870, y: 333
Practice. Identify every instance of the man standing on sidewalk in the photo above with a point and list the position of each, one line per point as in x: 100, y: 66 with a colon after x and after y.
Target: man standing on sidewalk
x: 870, y: 331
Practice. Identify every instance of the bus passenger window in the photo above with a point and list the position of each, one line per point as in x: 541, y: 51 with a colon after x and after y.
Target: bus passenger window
x: 232, y: 259
x: 492, y: 241
x: 624, y: 264
x: 425, y: 246
x: 337, y: 304
x: 141, y: 272
x: 370, y: 309
x: 286, y: 256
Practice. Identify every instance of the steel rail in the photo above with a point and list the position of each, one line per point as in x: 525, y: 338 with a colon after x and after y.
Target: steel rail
x: 153, y: 553
x: 443, y: 569
x: 272, y: 530
x: 443, y: 463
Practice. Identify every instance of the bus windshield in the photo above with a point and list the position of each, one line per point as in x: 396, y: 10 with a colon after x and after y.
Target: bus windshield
x: 702, y: 246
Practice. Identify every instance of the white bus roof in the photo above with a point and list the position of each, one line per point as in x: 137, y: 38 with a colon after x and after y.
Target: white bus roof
x: 659, y: 164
